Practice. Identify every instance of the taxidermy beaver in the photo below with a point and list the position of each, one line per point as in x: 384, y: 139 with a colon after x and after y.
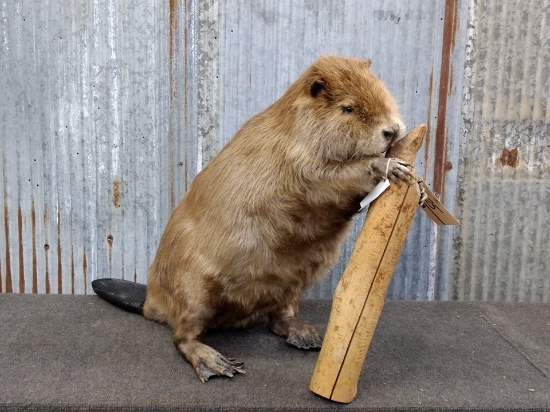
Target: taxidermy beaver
x: 266, y: 218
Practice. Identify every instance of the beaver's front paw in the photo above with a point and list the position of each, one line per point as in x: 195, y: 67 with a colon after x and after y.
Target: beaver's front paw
x: 394, y: 169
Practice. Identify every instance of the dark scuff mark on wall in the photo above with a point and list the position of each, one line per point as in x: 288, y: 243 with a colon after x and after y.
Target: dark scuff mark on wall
x: 449, y: 32
x: 21, y: 254
x: 509, y: 157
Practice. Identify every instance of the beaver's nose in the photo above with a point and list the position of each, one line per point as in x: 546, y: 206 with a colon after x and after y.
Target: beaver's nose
x: 392, y: 132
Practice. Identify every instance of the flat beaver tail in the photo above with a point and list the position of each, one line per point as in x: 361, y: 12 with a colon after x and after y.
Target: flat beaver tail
x: 126, y: 295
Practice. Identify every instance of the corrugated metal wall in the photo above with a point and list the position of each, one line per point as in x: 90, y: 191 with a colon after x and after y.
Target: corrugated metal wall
x: 85, y: 143
x: 110, y: 108
x: 502, y: 251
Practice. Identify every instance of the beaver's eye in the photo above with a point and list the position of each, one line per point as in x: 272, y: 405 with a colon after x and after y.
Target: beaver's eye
x: 347, y: 109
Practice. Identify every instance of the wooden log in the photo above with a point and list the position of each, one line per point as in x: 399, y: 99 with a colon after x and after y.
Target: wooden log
x: 360, y: 294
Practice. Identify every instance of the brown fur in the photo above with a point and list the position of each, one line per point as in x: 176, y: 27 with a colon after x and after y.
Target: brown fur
x: 267, y: 216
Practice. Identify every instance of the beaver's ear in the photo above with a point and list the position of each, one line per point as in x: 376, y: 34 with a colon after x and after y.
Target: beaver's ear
x: 317, y: 87
x: 367, y: 63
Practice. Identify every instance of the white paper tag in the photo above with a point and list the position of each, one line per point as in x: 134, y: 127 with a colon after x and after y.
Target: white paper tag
x: 374, y: 193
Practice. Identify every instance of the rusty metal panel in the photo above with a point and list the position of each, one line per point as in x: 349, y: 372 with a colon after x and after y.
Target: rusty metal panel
x: 84, y: 122
x: 501, y: 251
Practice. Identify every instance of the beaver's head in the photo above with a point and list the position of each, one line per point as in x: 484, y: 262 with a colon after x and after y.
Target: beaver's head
x: 346, y: 110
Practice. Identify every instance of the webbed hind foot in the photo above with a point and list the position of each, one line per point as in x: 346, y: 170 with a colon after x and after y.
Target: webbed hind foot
x: 208, y: 362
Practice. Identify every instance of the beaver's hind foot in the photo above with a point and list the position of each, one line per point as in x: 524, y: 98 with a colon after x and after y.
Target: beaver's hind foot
x: 208, y: 362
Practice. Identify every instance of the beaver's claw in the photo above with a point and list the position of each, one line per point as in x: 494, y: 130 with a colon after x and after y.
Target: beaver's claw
x: 304, y: 338
x: 218, y: 366
x: 391, y: 168
x: 399, y: 170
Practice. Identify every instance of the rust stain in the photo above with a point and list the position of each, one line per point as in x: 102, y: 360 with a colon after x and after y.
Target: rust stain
x: 116, y: 193
x: 448, y: 166
x: 21, y: 253
x: 449, y: 31
x: 110, y: 242
x: 509, y: 157
x: 34, y: 260
x: 454, y: 21
x: 72, y: 271
x: 46, y: 255
x: 5, y: 223
x: 9, y: 284
x: 85, y: 271
x: 59, y: 263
